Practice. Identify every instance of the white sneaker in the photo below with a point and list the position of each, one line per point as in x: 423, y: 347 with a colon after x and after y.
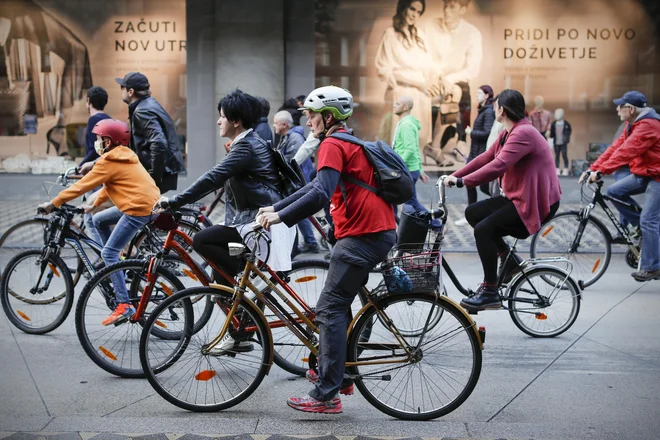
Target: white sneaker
x: 564, y: 172
x: 461, y: 222
x: 558, y: 172
x: 230, y: 346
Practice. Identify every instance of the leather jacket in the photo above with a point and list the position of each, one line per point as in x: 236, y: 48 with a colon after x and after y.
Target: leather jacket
x: 249, y: 176
x: 154, y: 139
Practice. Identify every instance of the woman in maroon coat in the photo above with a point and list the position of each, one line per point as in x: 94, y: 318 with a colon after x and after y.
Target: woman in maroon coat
x: 521, y: 160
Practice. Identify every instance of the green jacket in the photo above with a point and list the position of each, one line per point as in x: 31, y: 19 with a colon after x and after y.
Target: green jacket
x: 406, y: 142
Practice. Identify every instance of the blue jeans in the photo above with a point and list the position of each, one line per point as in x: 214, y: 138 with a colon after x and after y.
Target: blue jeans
x: 352, y: 260
x: 307, y: 231
x: 623, y: 189
x: 618, y: 175
x: 114, y: 241
x: 649, y: 221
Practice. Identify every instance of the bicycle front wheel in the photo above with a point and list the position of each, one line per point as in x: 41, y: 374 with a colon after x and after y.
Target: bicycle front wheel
x: 543, y: 302
x: 417, y: 377
x: 31, y: 307
x: 584, y: 242
x: 191, y: 374
x: 114, y: 348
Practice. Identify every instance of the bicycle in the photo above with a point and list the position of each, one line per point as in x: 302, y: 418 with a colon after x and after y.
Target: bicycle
x: 535, y: 296
x: 584, y: 240
x: 101, y: 343
x: 222, y: 364
x: 43, y: 306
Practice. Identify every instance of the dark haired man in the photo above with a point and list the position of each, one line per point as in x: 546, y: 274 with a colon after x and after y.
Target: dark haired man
x: 153, y: 136
x: 97, y: 98
x: 249, y: 176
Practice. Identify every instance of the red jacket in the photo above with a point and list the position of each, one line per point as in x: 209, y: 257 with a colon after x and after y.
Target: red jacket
x: 527, y: 169
x: 638, y: 146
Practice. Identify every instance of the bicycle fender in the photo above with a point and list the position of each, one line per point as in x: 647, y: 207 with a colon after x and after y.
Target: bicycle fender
x: 258, y: 311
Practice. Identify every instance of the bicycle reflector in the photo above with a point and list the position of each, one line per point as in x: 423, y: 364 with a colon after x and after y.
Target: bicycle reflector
x: 205, y: 375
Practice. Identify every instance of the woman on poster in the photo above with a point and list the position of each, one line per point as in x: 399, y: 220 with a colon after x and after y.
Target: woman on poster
x: 404, y: 64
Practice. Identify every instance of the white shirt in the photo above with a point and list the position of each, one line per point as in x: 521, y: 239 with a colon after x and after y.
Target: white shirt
x: 457, y: 53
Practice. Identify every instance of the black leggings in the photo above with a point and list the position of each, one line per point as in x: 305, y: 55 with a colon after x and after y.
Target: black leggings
x: 493, y: 219
x: 212, y: 243
x: 472, y: 193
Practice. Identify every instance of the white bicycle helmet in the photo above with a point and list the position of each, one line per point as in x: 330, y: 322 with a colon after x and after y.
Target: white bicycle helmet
x: 334, y: 99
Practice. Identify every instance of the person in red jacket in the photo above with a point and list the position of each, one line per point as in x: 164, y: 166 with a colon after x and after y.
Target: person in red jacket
x: 639, y: 147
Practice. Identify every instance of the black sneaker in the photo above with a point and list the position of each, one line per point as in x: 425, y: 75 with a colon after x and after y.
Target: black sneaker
x: 512, y: 267
x: 644, y: 275
x: 309, y: 248
x: 487, y: 297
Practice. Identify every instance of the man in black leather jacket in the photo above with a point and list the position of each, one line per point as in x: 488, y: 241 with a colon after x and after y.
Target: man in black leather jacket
x: 248, y: 174
x: 153, y: 136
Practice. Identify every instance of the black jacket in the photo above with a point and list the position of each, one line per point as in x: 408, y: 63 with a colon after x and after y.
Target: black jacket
x: 263, y: 130
x: 567, y: 132
x: 249, y: 176
x: 481, y: 130
x: 154, y: 139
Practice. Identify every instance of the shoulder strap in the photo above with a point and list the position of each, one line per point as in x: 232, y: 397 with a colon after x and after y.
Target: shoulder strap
x: 348, y: 138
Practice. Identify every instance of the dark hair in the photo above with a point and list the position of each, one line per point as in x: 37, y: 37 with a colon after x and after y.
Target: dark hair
x: 241, y: 107
x: 488, y: 90
x: 98, y: 97
x: 265, y: 106
x: 513, y: 104
x: 399, y: 21
x: 291, y: 105
x: 301, y: 98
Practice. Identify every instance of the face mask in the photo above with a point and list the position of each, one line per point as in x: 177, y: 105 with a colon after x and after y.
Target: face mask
x: 99, y: 147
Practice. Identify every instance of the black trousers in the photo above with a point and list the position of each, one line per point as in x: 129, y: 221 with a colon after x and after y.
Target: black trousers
x: 472, y: 193
x: 493, y: 219
x: 212, y: 243
x: 563, y: 151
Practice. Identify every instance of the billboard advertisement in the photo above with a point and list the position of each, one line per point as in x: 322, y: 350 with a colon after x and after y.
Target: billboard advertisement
x: 574, y: 56
x: 53, y: 51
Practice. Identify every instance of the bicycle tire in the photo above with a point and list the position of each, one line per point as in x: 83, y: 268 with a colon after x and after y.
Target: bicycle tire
x: 588, y: 267
x: 21, y: 318
x: 457, y: 327
x: 160, y: 364
x: 107, y: 356
x: 541, y: 314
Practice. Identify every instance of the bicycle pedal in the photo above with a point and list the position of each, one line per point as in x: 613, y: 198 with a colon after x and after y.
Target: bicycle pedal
x: 120, y: 321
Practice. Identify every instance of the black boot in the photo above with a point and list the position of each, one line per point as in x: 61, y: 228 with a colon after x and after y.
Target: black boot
x: 512, y: 267
x: 486, y: 297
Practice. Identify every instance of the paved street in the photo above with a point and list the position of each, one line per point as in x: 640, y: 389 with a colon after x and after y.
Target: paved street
x: 600, y: 380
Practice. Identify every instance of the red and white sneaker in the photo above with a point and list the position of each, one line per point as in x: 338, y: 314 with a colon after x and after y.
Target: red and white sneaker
x: 313, y: 377
x: 310, y: 404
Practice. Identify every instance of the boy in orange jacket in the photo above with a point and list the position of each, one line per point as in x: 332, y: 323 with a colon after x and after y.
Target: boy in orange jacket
x: 131, y: 189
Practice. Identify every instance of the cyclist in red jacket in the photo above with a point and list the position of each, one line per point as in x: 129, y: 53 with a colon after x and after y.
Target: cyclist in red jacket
x: 639, y: 147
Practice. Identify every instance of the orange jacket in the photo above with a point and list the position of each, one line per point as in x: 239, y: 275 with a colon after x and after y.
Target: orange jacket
x: 125, y: 182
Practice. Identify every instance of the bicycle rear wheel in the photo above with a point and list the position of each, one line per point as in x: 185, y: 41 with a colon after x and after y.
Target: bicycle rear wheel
x: 440, y: 372
x: 185, y: 374
x: 115, y: 348
x: 36, y: 309
x: 592, y: 253
x: 544, y: 303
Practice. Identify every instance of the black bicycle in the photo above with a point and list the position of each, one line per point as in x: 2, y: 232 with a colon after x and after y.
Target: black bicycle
x: 584, y: 240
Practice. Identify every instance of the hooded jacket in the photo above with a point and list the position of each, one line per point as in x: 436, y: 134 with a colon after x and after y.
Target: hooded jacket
x: 124, y: 180
x: 638, y: 147
x: 406, y: 142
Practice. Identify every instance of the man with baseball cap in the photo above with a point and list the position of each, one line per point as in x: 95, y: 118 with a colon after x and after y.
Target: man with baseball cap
x: 638, y: 146
x: 153, y: 136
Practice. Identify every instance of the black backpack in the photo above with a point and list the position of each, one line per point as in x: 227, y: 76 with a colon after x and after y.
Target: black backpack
x: 395, y: 184
x: 291, y: 176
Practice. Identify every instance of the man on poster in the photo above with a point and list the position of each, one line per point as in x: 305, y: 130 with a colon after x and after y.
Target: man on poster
x: 456, y: 47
